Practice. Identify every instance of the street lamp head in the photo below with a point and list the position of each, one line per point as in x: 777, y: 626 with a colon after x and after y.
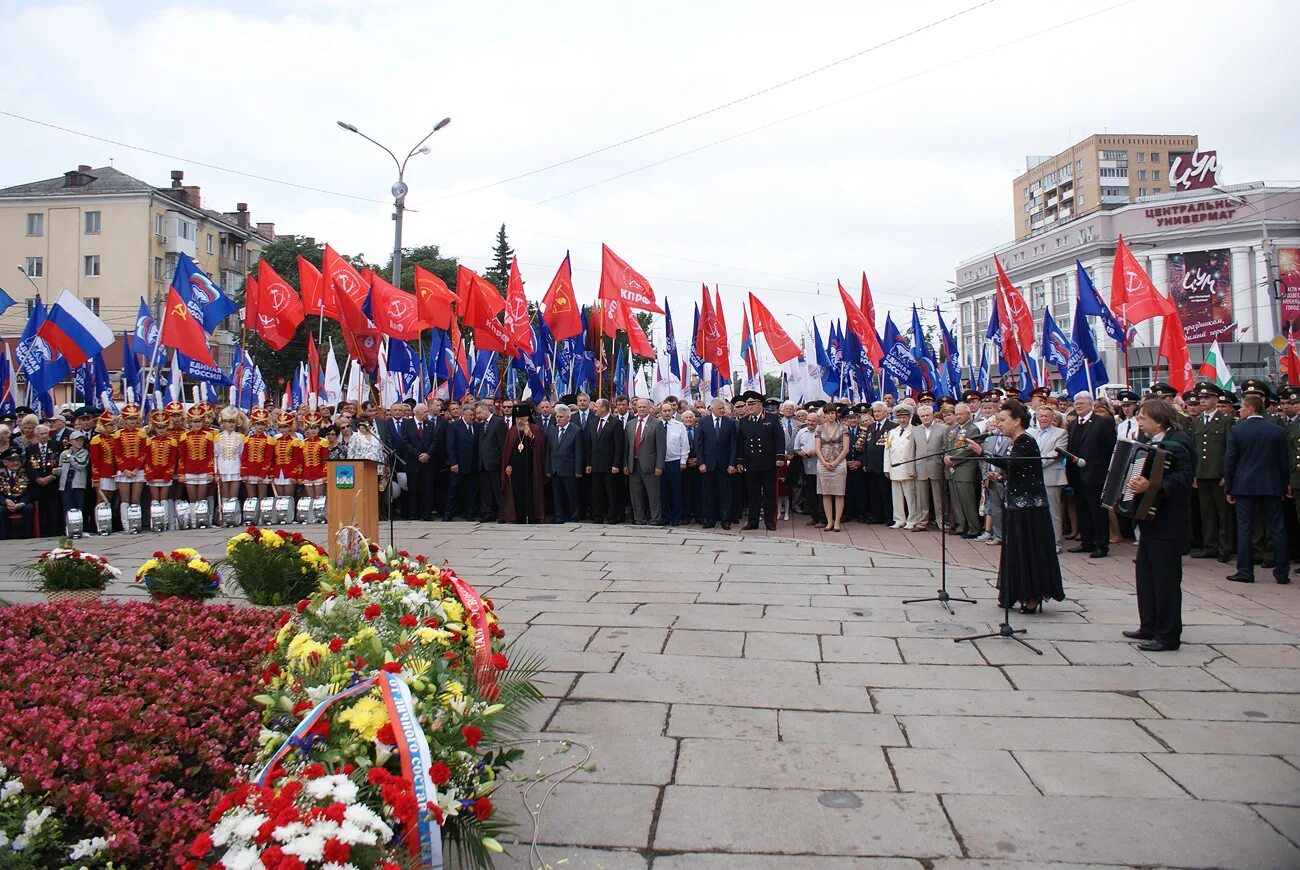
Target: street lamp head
x: 443, y: 123
x: 346, y: 126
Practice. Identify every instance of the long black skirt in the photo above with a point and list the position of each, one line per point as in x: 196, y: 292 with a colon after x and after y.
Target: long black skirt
x: 1030, y: 569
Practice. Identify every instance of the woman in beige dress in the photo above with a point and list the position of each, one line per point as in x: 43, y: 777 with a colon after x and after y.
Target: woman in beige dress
x: 832, y: 471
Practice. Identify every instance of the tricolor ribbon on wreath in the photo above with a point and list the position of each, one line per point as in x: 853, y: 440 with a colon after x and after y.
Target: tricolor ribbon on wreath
x: 412, y: 747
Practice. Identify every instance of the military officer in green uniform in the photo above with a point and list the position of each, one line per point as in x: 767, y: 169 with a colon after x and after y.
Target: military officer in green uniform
x: 963, y: 472
x: 1209, y: 430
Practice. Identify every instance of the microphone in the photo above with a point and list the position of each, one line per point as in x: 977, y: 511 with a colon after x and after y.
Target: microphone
x: 1062, y: 453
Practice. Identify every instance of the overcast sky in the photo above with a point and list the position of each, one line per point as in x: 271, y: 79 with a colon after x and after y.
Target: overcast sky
x: 905, y: 171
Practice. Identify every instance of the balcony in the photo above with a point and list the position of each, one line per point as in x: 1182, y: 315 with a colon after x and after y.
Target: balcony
x: 1114, y: 200
x: 1067, y: 194
x: 181, y: 234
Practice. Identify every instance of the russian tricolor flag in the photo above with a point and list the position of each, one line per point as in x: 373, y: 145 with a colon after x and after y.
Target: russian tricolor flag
x: 74, y: 331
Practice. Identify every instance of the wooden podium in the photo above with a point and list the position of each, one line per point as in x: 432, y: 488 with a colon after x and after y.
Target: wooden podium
x: 351, y: 499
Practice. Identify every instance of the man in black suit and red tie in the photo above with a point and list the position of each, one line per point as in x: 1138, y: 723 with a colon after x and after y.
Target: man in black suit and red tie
x: 715, y: 448
x: 1256, y: 469
x: 1092, y: 439
x: 421, y: 445
x: 605, y: 452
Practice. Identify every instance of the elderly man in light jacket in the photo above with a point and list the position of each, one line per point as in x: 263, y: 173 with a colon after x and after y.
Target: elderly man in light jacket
x: 1050, y: 436
x: 900, y: 451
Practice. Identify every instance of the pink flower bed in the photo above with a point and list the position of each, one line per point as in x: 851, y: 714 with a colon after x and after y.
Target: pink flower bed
x: 131, y: 716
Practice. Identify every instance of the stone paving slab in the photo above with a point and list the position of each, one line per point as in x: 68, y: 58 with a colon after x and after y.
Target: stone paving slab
x: 745, y: 713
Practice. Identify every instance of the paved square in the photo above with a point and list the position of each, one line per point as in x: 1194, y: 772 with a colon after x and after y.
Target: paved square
x: 767, y: 702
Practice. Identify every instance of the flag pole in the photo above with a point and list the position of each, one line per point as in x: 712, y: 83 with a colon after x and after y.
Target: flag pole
x: 153, y: 357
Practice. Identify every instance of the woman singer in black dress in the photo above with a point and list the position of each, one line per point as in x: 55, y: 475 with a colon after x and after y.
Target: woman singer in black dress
x: 1028, y: 571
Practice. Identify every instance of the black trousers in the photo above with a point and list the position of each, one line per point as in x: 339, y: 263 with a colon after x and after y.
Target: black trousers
x: 21, y: 525
x: 880, y: 498
x: 760, y: 491
x: 738, y: 498
x: 604, y: 496
x: 489, y: 495
x: 1160, y: 588
x: 812, y: 500
x: 419, y: 490
x: 692, y: 509
x: 1094, y: 520
x: 1271, y: 507
x: 462, y: 495
x: 715, y: 495
x: 1216, y: 517
x: 564, y: 495
x: 855, y: 495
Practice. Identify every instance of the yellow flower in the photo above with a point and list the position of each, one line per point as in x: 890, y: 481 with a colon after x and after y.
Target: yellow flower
x: 453, y: 610
x: 366, y: 717
x: 271, y: 539
x: 186, y: 551
x: 417, y: 667
x: 147, y: 567
x: 199, y: 565
x: 453, y: 689
x: 361, y: 637
x: 302, y: 647
x: 428, y: 635
x: 283, y: 633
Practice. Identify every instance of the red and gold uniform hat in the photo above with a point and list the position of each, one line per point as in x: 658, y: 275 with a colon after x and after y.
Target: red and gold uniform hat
x: 259, y: 415
x: 158, y: 418
x: 196, y: 412
x: 131, y: 411
x: 312, y: 419
x: 174, y: 409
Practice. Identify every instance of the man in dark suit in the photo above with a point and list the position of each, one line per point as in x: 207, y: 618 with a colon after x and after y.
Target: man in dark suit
x: 716, y: 449
x: 760, y: 451
x: 462, y: 460
x: 855, y: 481
x: 564, y: 464
x: 605, y: 455
x: 646, y: 451
x: 1092, y: 439
x: 880, y: 496
x: 421, y: 439
x: 1164, y: 534
x: 491, y: 441
x: 1256, y: 469
x: 694, y: 511
x: 389, y: 429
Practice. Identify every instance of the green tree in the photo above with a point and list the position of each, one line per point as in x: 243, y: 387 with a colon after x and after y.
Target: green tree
x: 428, y: 257
x: 499, y: 272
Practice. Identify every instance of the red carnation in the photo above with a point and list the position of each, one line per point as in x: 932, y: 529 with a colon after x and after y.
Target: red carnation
x: 403, y: 554
x: 440, y: 773
x: 472, y: 735
x: 385, y: 734
x: 372, y: 611
x: 314, y: 770
x: 483, y: 808
x: 408, y: 621
x: 282, y: 533
x: 336, y: 851
x: 284, y: 619
x: 202, y: 845
x: 157, y: 554
x: 272, y: 856
x: 376, y: 775
x: 354, y: 591
x: 336, y: 644
x: 302, y: 707
x: 500, y: 662
x: 391, y: 667
x: 252, y: 530
x: 303, y: 605
x: 431, y: 621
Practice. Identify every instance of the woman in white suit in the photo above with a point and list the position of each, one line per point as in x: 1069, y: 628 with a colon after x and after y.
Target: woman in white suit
x: 900, y: 450
x: 1051, y: 436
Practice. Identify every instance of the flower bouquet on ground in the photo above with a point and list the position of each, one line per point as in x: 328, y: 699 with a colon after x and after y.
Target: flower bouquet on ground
x: 389, y: 703
x: 182, y: 573
x: 275, y: 567
x: 66, y: 573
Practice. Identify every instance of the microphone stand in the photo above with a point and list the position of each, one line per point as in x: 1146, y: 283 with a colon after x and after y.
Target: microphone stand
x: 941, y: 595
x: 1005, y: 630
x: 390, y: 461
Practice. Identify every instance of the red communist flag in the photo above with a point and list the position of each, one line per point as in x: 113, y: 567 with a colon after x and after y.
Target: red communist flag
x: 712, y: 341
x: 561, y: 314
x: 614, y: 317
x: 518, y: 325
x: 620, y: 281
x: 359, y: 334
x: 313, y: 366
x: 722, y: 348
x: 181, y: 331
x: 1133, y: 296
x: 477, y: 298
x: 342, y: 279
x: 278, y: 311
x: 861, y: 327
x: 778, y: 341
x: 1173, y: 347
x: 435, y: 298
x: 868, y: 305
x: 1290, y: 364
x: 1021, y: 318
x: 318, y: 297
x: 397, y: 313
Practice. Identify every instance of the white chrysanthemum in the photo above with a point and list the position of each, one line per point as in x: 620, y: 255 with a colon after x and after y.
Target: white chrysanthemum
x: 11, y: 788
x: 362, y: 815
x: 336, y: 866
x: 242, y: 858
x: 288, y: 831
x: 355, y: 835
x: 86, y: 848
x: 249, y: 825
x: 309, y: 847
x: 35, y: 820
x: 336, y: 787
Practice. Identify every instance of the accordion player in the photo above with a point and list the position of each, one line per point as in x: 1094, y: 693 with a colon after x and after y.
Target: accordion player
x: 1133, y: 459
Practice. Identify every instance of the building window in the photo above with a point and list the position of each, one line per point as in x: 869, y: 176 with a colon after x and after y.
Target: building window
x: 92, y: 223
x: 1078, y: 200
x: 158, y: 269
x: 35, y: 267
x: 237, y: 252
x: 169, y: 266
x: 209, y: 243
x: 1036, y: 296
x: 1142, y: 191
x: 1117, y: 156
x: 36, y: 224
x: 1060, y: 297
x: 1155, y: 156
x: 1155, y: 174
x: 90, y: 266
x: 1142, y: 175
x: 1078, y: 166
x: 158, y: 226
x: 184, y: 229
x: 1142, y: 158
x: 92, y: 302
x: 1155, y: 190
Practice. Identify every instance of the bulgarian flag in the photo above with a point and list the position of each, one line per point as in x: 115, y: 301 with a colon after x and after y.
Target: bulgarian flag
x: 1215, y: 369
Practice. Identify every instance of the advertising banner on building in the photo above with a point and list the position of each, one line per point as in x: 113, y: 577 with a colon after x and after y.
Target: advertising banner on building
x: 1201, y: 285
x: 1288, y: 274
x: 1194, y: 170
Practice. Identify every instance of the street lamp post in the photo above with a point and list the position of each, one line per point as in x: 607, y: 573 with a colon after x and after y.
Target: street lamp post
x: 399, y: 188
x: 29, y: 280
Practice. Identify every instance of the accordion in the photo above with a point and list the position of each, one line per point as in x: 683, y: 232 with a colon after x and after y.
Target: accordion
x: 1133, y: 459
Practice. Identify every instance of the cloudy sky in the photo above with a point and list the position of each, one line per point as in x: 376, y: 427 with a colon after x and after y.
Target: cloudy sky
x: 897, y: 161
